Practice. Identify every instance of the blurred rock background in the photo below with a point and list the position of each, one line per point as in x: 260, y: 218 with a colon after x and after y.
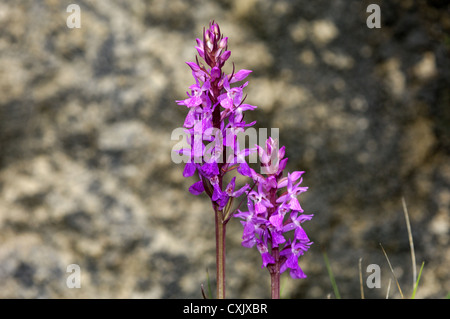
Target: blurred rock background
x: 86, y: 117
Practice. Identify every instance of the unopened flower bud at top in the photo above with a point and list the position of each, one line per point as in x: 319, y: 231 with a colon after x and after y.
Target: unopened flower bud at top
x: 223, y: 43
x: 223, y: 57
x: 209, y: 39
x: 215, y: 28
x: 214, y: 46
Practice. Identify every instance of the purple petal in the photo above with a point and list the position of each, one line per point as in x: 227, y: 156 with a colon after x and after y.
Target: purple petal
x: 199, y: 42
x: 286, y: 251
x: 226, y: 84
x: 288, y: 227
x: 215, y: 73
x: 249, y: 242
x: 299, y: 190
x: 194, y: 67
x: 282, y: 165
x: 249, y: 230
x: 225, y: 101
x: 295, y: 205
x: 223, y: 43
x: 223, y: 201
x: 281, y: 152
x: 296, y: 175
x: 277, y: 221
x: 194, y: 101
x: 225, y: 55
x: 282, y: 182
x: 283, y: 268
x: 292, y: 261
x: 201, y: 52
x: 217, y: 193
x: 271, y: 182
x: 241, y: 214
x: 197, y: 188
x: 210, y: 169
x: 267, y: 259
x: 231, y: 184
x: 301, y: 218
x: 241, y: 191
x: 180, y: 102
x: 244, y: 170
x: 300, y: 234
x: 240, y: 75
x: 190, y: 119
x: 277, y: 238
x: 246, y: 107
x: 260, y: 208
x: 297, y: 273
x: 282, y: 198
x: 189, y: 170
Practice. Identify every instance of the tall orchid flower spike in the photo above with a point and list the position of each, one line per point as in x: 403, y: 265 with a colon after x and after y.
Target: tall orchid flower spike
x: 277, y: 215
x: 215, y: 117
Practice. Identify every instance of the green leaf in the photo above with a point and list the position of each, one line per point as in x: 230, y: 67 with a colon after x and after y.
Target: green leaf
x: 330, y: 274
x: 417, y: 282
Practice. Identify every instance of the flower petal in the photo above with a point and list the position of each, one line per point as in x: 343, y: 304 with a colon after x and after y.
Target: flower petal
x: 277, y: 221
x: 189, y: 169
x: 244, y: 170
x: 295, y: 205
x: 197, y: 188
x: 241, y: 190
x: 240, y: 75
x: 297, y: 273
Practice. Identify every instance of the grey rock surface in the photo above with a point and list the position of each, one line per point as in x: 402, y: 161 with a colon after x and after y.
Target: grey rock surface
x: 86, y: 117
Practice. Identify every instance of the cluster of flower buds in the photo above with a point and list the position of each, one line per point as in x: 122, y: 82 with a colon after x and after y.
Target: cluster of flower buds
x: 271, y: 215
x: 213, y: 47
x: 215, y: 117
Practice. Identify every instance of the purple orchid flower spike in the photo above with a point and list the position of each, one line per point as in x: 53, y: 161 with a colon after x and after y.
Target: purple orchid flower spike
x: 215, y: 116
x: 277, y: 215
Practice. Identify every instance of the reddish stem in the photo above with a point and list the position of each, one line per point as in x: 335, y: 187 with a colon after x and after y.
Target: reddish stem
x: 220, y: 254
x: 274, y: 270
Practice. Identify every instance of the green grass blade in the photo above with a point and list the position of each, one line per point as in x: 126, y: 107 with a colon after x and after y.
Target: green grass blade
x: 210, y: 296
x: 417, y: 282
x: 209, y: 288
x: 330, y: 274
